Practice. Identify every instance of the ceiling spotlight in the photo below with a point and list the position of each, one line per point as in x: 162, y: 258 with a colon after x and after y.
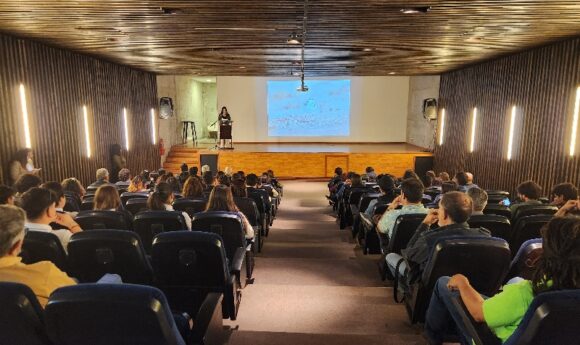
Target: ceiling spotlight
x: 415, y: 10
x: 242, y: 67
x: 367, y: 49
x: 294, y: 38
x: 391, y: 73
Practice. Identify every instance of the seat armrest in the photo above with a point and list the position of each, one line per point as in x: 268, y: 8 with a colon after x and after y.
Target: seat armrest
x: 238, y: 261
x: 478, y: 331
x: 365, y: 218
x: 208, y: 324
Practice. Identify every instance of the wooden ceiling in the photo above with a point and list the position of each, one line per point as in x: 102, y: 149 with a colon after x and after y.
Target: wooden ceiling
x: 344, y: 37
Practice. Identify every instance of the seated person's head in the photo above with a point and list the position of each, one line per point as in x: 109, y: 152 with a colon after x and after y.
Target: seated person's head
x: 264, y: 178
x: 56, y: 189
x: 356, y: 180
x: 161, y: 172
x: 252, y: 180
x: 162, y: 196
x: 479, y: 198
x: 454, y: 207
x: 208, y: 178
x: 430, y: 173
x: 386, y: 184
x: 184, y: 167
x: 221, y: 199
x: 6, y: 195
x: 558, y: 263
x: 40, y: 205
x: 448, y: 186
x: 239, y: 188
x: 369, y: 170
x: 26, y: 182
x: 444, y: 176
x: 124, y: 175
x: 460, y: 178
x: 338, y: 171
x: 563, y: 192
x: 193, y: 171
x: 529, y: 190
x: 192, y: 188
x: 102, y: 174
x: 145, y: 174
x: 107, y: 198
x: 409, y: 173
x: 174, y: 183
x: 469, y: 177
x: 225, y: 180
x: 12, y: 221
x: 242, y: 174
x: 270, y: 173
x: 412, y: 191
x: 74, y: 186
x: 205, y: 168
x: 137, y: 184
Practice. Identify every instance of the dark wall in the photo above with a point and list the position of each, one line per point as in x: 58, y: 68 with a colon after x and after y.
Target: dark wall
x: 58, y: 83
x: 542, y: 83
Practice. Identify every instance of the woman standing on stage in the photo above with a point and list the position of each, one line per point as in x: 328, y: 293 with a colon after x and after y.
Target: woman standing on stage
x: 22, y: 164
x: 225, y: 122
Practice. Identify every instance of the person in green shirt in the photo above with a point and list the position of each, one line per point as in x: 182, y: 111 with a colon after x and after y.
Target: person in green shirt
x: 557, y: 269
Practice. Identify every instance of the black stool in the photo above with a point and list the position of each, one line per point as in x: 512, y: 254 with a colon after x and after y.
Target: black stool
x: 193, y: 131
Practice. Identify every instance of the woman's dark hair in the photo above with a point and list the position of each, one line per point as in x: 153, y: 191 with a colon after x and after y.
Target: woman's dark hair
x: 530, y: 189
x: 21, y: 156
x: 225, y: 180
x: 208, y: 178
x: 239, y: 188
x: 160, y: 196
x: 5, y: 194
x: 409, y: 173
x: 72, y: 185
x: 338, y: 171
x: 106, y: 198
x: 461, y: 178
x: 192, y: 188
x: 387, y: 184
x: 448, y: 186
x: 174, y: 183
x: 559, y: 264
x: 193, y: 171
x: 356, y: 181
x: 221, y: 199
x: 222, y: 111
x: 115, y: 150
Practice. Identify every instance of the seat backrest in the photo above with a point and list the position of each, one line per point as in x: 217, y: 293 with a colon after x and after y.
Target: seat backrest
x: 72, y: 204
x: 483, y: 260
x: 498, y: 192
x: 148, y: 224
x: 403, y: 230
x: 499, y: 226
x: 87, y: 204
x: 100, y: 219
x: 249, y: 208
x: 126, y: 196
x: 366, y: 199
x: 380, y: 209
x: 531, y: 210
x: 552, y: 318
x: 136, y: 205
x: 21, y: 316
x: 43, y: 246
x: 112, y: 314
x: 524, y: 262
x: 500, y: 210
x: 259, y: 200
x: 356, y: 193
x: 527, y: 228
x: 191, y: 206
x: 495, y: 198
x: 94, y: 253
x: 226, y: 224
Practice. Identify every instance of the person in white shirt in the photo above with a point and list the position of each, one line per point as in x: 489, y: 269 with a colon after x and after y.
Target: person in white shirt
x: 162, y: 199
x: 40, y: 207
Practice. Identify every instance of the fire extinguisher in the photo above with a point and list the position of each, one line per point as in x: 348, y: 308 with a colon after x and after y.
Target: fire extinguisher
x: 161, y: 147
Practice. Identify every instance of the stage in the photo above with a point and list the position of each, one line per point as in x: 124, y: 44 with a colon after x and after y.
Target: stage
x: 300, y: 160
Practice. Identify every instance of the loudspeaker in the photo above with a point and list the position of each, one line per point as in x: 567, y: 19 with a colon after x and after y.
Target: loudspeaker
x: 422, y: 165
x: 430, y: 109
x: 165, y: 107
x: 211, y: 160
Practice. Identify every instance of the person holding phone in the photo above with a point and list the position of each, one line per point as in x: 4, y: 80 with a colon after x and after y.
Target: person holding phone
x: 22, y: 164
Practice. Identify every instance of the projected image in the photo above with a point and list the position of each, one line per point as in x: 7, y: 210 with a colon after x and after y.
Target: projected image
x: 322, y: 111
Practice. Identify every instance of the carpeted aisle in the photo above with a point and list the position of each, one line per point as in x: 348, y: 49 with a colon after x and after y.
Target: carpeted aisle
x: 313, y: 287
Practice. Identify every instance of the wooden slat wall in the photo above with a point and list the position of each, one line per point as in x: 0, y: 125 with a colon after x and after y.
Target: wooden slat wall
x: 58, y: 83
x: 542, y: 83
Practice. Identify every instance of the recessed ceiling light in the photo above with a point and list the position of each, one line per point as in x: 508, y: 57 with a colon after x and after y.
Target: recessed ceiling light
x: 208, y: 80
x: 391, y: 73
x: 367, y: 49
x: 415, y: 10
x: 242, y: 67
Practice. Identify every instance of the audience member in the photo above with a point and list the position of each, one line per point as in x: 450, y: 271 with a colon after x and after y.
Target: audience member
x: 107, y: 199
x: 124, y: 178
x: 73, y: 187
x: 387, y: 187
x: 221, y: 199
x: 265, y: 183
x: 41, y: 277
x: 162, y: 199
x: 174, y: 183
x: 335, y: 181
x: 40, y: 207
x: 446, y: 187
x: 7, y: 195
x: 22, y: 164
x: 371, y: 174
x: 137, y: 185
x: 454, y: 210
x: 239, y: 188
x: 444, y: 176
x: 224, y: 179
x: 184, y: 174
x: 470, y: 183
x: 205, y: 168
x: 410, y: 200
x: 193, y: 171
x: 192, y: 188
x: 461, y: 180
x: 479, y: 198
x: 24, y: 184
x: 528, y: 193
x: 556, y: 269
x: 102, y: 178
x: 208, y: 181
x: 410, y: 173
x: 563, y: 192
x: 252, y: 188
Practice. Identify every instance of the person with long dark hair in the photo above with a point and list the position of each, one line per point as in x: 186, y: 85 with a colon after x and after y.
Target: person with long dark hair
x: 118, y: 162
x: 558, y: 268
x: 192, y: 188
x: 225, y: 122
x: 162, y: 199
x: 221, y: 199
x: 22, y: 164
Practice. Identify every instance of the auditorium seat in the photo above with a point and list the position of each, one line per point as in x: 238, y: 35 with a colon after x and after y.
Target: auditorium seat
x: 43, y: 246
x: 87, y: 204
x: 484, y: 261
x: 98, y: 219
x: 73, y: 204
x: 361, y: 207
x: 499, y: 226
x: 495, y: 198
x: 552, y: 318
x: 190, y: 264
x: 524, y: 262
x: 133, y: 195
x: 21, y: 316
x: 498, y: 192
x: 190, y: 206
x: 527, y: 228
x: 500, y: 210
x: 136, y: 205
x: 249, y: 208
x: 530, y: 210
x: 94, y: 253
x: 120, y: 314
x: 264, y: 214
x: 432, y: 192
x: 148, y: 224
x: 228, y: 225
x: 371, y: 243
x: 403, y: 229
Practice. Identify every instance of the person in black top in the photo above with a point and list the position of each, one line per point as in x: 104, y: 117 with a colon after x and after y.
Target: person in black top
x: 225, y: 119
x: 118, y: 162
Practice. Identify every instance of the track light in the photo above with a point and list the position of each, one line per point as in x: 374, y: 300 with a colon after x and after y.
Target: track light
x: 294, y: 38
x: 415, y: 10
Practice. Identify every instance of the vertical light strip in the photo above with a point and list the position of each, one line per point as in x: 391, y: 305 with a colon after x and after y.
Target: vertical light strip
x: 575, y: 122
x: 511, y: 135
x: 473, y: 122
x: 24, y: 109
x: 442, y: 127
x: 87, y: 136
x: 126, y: 128
x: 153, y: 136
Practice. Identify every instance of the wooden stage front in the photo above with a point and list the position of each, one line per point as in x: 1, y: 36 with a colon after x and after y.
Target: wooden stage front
x: 303, y: 160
